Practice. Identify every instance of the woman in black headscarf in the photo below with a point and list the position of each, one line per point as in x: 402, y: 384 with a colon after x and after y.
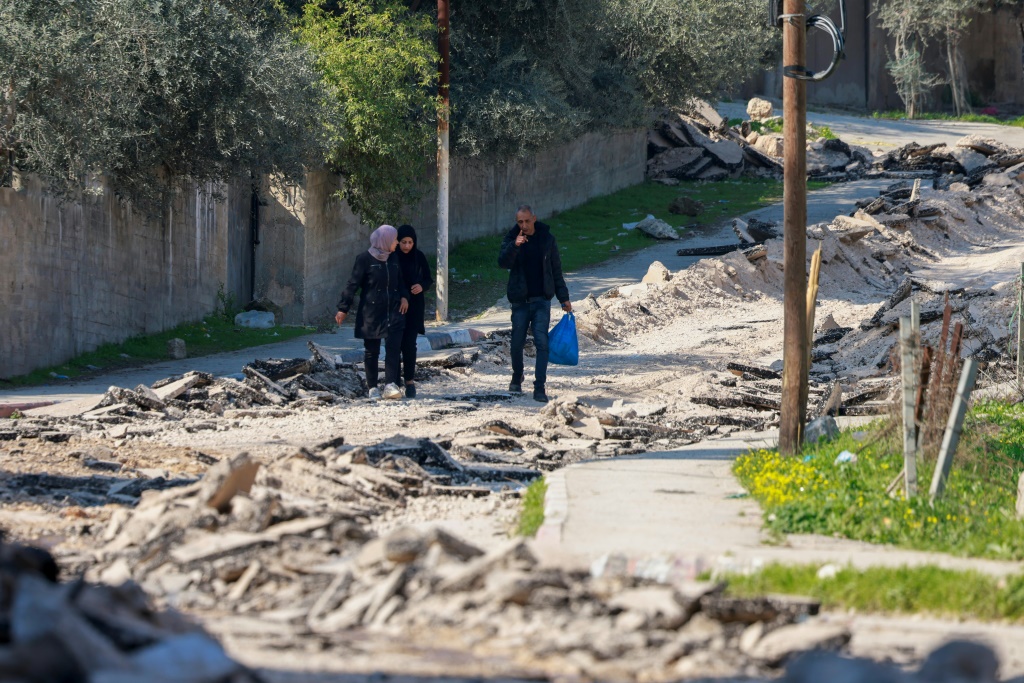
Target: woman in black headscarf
x: 416, y: 274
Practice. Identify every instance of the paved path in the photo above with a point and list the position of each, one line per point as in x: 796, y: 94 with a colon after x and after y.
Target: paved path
x: 683, y: 503
x: 883, y: 133
x: 687, y: 506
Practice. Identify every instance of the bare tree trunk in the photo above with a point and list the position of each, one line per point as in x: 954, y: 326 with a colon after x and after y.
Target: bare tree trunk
x: 957, y: 76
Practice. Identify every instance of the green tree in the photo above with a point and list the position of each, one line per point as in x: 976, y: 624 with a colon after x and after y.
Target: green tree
x: 904, y: 21
x: 147, y: 92
x: 915, y: 23
x: 527, y: 73
x: 950, y: 20
x: 378, y: 64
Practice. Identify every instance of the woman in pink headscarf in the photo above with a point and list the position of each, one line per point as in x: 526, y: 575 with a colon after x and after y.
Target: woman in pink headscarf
x: 382, y: 306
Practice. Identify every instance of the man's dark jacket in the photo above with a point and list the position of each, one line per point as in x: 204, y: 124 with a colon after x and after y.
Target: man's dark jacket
x: 382, y: 292
x: 508, y: 257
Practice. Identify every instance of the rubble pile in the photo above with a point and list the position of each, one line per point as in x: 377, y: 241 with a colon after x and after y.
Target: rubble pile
x: 282, y: 556
x: 701, y: 145
x: 81, y: 631
x: 883, y: 250
x: 289, y: 566
x: 759, y: 389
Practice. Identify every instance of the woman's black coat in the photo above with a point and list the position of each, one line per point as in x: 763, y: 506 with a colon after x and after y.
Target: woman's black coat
x: 421, y: 277
x: 382, y: 293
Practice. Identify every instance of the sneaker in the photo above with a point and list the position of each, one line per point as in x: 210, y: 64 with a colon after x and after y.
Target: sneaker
x: 410, y: 391
x: 540, y: 396
x: 391, y: 391
x: 515, y: 388
x: 373, y: 394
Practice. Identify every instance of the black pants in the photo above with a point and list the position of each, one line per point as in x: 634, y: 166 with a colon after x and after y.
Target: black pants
x: 409, y: 353
x: 392, y: 359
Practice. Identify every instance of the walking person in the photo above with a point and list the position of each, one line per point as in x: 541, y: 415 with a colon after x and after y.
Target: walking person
x: 416, y: 275
x: 383, y: 302
x: 530, y: 253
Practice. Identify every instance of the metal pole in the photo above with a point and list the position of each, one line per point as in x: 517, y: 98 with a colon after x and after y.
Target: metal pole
x: 443, y: 48
x: 795, y: 356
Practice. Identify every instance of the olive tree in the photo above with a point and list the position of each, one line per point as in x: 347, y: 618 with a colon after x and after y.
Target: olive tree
x: 147, y: 92
x: 526, y: 73
x: 912, y: 25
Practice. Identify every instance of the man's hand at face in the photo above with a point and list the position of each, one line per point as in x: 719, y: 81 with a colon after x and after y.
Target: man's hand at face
x: 521, y: 240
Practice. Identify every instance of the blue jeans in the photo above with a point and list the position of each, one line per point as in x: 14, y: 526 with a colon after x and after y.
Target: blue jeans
x: 536, y: 312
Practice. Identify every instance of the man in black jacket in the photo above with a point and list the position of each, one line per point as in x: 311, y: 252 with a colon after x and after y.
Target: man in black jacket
x: 530, y: 254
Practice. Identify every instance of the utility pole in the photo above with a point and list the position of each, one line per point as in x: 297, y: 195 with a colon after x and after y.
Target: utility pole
x: 795, y: 355
x: 444, y: 48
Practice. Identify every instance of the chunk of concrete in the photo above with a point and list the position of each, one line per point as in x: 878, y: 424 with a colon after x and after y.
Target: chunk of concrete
x: 657, y: 273
x: 657, y: 228
x: 823, y: 427
x: 759, y: 109
x: 176, y: 349
x: 783, y: 643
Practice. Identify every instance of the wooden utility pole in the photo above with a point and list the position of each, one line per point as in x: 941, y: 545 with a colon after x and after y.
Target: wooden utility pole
x: 444, y: 48
x: 795, y: 355
x: 1020, y: 329
x: 908, y: 366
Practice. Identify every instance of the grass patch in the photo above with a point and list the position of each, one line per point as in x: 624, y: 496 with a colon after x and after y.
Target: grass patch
x: 773, y: 125
x: 902, y: 590
x: 975, y: 517
x: 823, y: 132
x: 531, y: 516
x: 592, y: 233
x: 214, y: 334
x: 897, y: 115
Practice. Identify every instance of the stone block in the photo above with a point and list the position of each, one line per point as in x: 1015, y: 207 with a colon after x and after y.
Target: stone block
x: 176, y: 349
x: 759, y: 109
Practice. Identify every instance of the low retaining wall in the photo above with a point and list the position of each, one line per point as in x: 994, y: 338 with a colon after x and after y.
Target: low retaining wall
x: 77, y: 275
x: 309, y: 240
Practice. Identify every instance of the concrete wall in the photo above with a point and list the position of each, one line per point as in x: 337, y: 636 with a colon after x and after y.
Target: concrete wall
x: 78, y: 275
x: 309, y: 239
x: 993, y: 51
x: 484, y: 196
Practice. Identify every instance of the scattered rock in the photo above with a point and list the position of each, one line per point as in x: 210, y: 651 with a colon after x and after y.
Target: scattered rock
x: 783, y: 643
x: 823, y: 427
x: 759, y: 110
x: 176, y: 349
x: 685, y: 206
x: 657, y: 229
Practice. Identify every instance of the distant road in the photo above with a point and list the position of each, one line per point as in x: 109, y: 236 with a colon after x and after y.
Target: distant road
x: 861, y: 130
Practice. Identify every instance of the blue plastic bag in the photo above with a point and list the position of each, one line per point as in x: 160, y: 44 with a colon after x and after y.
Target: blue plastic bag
x: 563, y: 347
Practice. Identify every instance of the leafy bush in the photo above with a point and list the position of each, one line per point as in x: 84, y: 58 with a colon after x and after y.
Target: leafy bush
x: 146, y: 92
x: 531, y: 517
x: 378, y: 65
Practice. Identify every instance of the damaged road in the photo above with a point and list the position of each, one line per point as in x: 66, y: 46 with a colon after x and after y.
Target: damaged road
x: 290, y: 514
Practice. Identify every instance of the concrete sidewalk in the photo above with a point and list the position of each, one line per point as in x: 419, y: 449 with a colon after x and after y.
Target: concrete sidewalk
x: 683, y: 511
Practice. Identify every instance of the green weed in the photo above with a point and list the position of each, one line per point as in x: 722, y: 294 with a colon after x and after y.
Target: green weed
x: 975, y: 517
x: 531, y: 516
x: 897, y: 115
x: 212, y: 335
x: 902, y: 590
